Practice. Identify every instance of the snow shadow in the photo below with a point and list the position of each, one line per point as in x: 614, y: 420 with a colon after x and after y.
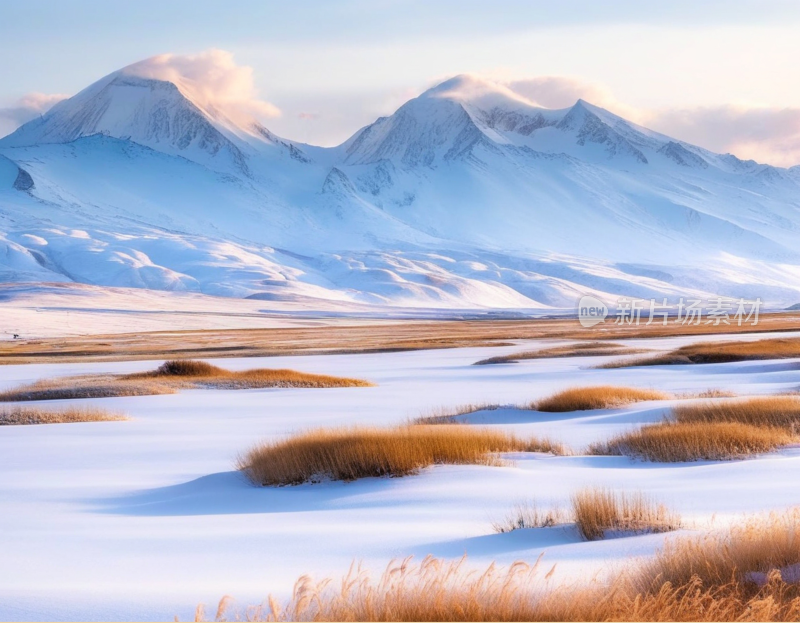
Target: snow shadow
x: 230, y: 493
x: 505, y: 543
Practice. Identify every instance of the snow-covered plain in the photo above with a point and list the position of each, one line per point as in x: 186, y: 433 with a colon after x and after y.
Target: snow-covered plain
x: 146, y: 518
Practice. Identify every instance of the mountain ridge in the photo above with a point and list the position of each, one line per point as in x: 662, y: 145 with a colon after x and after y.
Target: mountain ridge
x: 469, y: 195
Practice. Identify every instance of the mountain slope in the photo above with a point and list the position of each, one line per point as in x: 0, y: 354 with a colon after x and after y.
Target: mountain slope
x: 467, y: 196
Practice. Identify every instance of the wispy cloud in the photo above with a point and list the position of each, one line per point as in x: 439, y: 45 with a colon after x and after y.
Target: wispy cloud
x: 766, y: 134
x: 561, y: 91
x: 28, y: 107
x: 212, y: 79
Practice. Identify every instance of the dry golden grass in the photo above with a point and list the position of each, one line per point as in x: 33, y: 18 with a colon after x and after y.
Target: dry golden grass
x: 719, y: 352
x: 733, y: 576
x: 36, y: 415
x: 87, y: 386
x: 765, y: 411
x: 529, y: 515
x: 168, y: 378
x: 204, y: 375
x: 183, y: 368
x: 670, y: 442
x: 597, y: 397
x: 346, y: 337
x: 598, y: 512
x: 582, y: 349
x: 450, y: 415
x: 351, y: 453
x: 745, y: 554
x: 708, y: 393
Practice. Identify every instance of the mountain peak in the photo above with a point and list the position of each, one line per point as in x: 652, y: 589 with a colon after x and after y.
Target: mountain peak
x: 154, y: 113
x: 475, y: 90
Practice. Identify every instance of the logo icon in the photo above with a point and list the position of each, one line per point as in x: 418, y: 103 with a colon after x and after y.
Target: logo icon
x: 591, y: 311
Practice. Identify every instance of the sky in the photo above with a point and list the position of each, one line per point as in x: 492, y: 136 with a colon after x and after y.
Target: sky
x: 721, y: 75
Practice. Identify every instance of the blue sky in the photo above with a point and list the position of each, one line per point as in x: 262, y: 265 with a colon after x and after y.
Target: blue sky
x: 721, y: 74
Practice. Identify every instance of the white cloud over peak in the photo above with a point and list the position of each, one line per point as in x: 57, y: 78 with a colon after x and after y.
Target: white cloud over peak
x: 212, y: 79
x: 561, y: 91
x: 216, y: 82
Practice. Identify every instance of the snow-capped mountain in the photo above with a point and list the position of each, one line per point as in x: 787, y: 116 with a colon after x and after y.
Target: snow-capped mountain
x: 469, y: 195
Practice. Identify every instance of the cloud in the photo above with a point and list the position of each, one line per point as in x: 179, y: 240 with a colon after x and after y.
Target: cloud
x: 560, y: 91
x: 765, y: 134
x: 212, y: 79
x: 28, y: 107
x: 762, y: 133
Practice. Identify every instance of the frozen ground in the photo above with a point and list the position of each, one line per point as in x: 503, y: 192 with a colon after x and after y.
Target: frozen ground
x: 146, y: 518
x: 58, y: 310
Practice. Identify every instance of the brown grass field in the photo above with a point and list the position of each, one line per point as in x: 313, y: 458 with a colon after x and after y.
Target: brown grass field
x: 384, y: 336
x: 596, y: 397
x: 169, y: 378
x: 351, y: 453
x: 764, y: 411
x: 598, y: 512
x: 670, y: 442
x: 21, y: 416
x: 747, y: 554
x: 719, y: 352
x: 581, y: 349
x: 733, y: 575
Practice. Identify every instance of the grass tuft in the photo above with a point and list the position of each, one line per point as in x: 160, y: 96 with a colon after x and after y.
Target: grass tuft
x: 708, y: 393
x: 22, y: 416
x: 581, y: 349
x: 529, y: 515
x: 719, y: 352
x: 672, y: 442
x: 79, y: 387
x: 599, y: 512
x: 351, y: 453
x: 598, y: 397
x: 170, y: 377
x: 450, y: 415
x: 770, y: 411
x: 186, y: 367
